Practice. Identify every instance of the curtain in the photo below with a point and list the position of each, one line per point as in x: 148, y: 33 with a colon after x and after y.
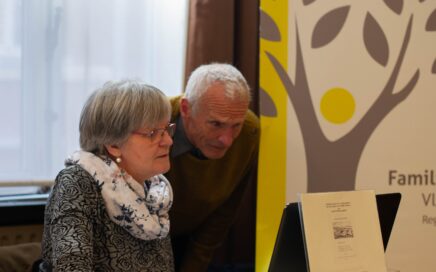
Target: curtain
x: 227, y: 31
x: 53, y: 53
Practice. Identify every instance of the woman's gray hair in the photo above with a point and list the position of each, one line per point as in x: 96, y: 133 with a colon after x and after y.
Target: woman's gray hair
x: 205, y: 76
x: 116, y: 109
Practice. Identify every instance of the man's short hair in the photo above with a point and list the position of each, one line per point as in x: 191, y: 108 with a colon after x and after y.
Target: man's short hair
x: 205, y: 76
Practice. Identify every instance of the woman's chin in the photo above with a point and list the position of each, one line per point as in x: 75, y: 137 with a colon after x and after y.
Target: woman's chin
x: 163, y: 169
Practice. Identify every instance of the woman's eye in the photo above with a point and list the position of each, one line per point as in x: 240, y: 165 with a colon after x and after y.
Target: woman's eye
x: 152, y: 133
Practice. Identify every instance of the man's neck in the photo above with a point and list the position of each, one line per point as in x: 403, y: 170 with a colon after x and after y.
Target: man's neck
x: 182, y: 144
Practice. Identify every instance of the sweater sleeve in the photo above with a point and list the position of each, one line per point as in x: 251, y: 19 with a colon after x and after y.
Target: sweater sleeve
x: 70, y: 210
x: 212, y: 232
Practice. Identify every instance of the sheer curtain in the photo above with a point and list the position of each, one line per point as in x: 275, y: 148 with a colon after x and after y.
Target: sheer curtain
x: 53, y: 53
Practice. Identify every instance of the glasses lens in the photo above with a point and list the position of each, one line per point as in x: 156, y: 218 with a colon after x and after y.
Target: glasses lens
x: 171, y: 129
x: 158, y: 133
x: 154, y: 135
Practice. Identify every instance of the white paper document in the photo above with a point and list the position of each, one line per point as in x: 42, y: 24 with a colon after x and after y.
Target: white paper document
x: 342, y: 232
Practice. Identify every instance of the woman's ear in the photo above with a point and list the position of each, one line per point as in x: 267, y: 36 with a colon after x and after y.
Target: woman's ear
x: 113, y: 150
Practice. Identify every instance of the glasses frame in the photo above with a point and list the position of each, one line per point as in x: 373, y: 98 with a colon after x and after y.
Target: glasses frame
x: 152, y: 134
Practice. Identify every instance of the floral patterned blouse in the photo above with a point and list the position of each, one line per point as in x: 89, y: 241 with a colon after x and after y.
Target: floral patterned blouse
x: 80, y: 236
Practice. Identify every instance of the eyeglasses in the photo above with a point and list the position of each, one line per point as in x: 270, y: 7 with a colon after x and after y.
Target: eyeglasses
x: 157, y: 134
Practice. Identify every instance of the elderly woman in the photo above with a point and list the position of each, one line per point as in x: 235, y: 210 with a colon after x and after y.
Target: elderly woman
x: 108, y: 210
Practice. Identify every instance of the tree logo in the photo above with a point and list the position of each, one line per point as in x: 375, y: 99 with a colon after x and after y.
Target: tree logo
x: 332, y: 164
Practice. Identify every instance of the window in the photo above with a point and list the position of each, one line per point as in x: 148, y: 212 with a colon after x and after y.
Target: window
x: 53, y: 54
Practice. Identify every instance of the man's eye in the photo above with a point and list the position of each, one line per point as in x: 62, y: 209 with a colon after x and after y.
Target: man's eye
x: 215, y: 123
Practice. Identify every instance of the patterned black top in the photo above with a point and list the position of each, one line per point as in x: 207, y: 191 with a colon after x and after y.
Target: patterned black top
x: 80, y: 236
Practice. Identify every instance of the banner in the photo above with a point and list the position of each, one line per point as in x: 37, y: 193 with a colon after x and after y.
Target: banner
x: 347, y: 94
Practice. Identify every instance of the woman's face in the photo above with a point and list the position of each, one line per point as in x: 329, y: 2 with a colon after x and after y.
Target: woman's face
x: 143, y: 156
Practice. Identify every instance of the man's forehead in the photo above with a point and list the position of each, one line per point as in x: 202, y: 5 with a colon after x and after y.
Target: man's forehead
x: 226, y: 117
x: 222, y: 91
x: 223, y: 104
x: 213, y: 100
x: 214, y: 104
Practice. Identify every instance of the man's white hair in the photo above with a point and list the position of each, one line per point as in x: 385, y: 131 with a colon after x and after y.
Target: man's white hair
x: 205, y: 76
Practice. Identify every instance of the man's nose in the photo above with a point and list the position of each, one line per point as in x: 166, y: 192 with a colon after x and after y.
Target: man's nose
x: 226, y: 137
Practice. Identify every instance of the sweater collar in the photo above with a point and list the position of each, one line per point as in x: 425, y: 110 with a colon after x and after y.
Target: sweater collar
x: 181, y: 143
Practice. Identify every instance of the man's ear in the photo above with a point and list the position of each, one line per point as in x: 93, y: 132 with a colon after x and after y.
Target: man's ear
x: 113, y: 150
x: 185, y: 108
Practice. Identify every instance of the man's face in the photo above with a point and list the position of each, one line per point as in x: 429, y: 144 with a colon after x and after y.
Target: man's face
x: 216, y: 122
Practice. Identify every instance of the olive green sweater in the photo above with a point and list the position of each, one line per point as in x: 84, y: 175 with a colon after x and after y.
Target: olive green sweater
x: 207, y: 193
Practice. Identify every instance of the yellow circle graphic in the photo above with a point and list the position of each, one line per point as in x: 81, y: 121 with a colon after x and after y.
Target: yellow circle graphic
x: 337, y: 105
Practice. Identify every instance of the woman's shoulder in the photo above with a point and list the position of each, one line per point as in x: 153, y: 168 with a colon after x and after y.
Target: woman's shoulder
x: 74, y: 189
x: 74, y: 179
x: 72, y: 170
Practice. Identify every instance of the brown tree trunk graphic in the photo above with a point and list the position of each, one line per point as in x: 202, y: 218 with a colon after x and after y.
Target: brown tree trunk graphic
x: 332, y: 165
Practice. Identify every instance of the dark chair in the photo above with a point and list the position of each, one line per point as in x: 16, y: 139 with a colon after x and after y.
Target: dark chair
x: 21, y: 227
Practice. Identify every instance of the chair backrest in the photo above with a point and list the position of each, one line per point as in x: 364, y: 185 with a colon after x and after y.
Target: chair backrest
x: 21, y: 222
x: 21, y: 228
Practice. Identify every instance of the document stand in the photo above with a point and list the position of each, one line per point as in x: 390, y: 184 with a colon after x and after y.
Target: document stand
x: 289, y: 252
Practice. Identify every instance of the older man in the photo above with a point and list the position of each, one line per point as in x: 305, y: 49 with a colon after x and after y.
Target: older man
x: 214, y: 152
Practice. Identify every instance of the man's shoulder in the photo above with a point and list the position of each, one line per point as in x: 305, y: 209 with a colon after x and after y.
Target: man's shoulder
x: 251, y: 123
x: 175, y: 99
x: 252, y: 119
x: 175, y: 106
x: 250, y: 133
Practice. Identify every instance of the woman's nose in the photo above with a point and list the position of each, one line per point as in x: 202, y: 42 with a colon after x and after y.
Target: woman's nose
x: 166, y: 140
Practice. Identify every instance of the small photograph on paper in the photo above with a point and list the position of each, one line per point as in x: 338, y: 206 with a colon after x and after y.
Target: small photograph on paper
x: 342, y: 229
